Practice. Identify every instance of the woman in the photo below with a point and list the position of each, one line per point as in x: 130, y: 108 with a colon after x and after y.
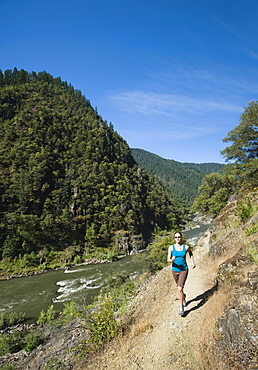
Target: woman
x: 177, y: 256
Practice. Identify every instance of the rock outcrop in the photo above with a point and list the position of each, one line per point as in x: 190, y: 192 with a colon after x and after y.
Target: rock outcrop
x: 126, y: 243
x: 62, y: 345
x: 229, y: 236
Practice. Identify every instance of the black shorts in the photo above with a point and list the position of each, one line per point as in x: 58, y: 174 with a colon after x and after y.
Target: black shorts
x: 180, y: 277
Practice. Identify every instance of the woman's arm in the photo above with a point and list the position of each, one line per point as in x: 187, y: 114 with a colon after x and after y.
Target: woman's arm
x: 170, y: 259
x: 189, y: 250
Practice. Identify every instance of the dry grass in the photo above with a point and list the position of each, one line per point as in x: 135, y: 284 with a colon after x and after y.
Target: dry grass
x: 204, y: 336
x: 139, y: 328
x: 212, y: 264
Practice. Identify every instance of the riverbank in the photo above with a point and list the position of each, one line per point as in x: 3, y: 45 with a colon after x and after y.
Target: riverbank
x: 83, y: 283
x: 12, y: 269
x: 91, y: 261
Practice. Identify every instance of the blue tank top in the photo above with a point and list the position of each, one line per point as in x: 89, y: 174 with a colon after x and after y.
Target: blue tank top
x: 179, y: 263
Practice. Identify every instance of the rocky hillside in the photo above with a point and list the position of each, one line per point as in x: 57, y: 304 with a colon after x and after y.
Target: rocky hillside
x: 233, y: 238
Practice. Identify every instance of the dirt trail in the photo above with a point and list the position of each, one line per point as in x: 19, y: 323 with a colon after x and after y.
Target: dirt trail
x: 159, y: 338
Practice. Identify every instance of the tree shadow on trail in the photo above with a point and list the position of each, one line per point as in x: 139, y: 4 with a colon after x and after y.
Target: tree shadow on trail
x: 203, y: 298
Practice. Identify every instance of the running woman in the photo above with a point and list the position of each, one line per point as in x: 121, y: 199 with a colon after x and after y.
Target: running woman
x: 177, y: 257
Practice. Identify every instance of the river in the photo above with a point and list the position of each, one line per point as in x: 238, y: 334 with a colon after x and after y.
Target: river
x: 35, y: 293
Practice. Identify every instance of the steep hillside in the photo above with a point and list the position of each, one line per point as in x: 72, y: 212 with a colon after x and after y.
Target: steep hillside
x: 181, y: 179
x: 233, y: 239
x: 67, y: 179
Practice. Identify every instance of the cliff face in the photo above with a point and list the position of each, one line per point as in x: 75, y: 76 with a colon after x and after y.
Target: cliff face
x: 234, y: 235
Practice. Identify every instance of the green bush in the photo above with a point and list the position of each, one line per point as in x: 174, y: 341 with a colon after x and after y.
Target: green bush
x: 18, y: 340
x: 158, y: 252
x: 251, y: 230
x: 112, y: 256
x: 70, y: 311
x: 115, y: 281
x: 11, y: 318
x: 10, y: 343
x: 31, y: 341
x: 102, y: 323
x: 120, y: 289
x: 48, y: 316
x: 77, y: 259
x: 253, y: 250
x: 245, y: 210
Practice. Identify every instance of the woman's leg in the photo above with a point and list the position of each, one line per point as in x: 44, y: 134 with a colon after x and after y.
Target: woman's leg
x: 180, y: 294
x: 180, y: 286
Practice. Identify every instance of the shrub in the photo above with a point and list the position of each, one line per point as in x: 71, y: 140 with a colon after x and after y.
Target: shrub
x: 251, y: 230
x: 102, y: 323
x: 11, y: 343
x: 77, y: 259
x: 11, y: 318
x: 18, y: 340
x: 48, y: 316
x: 70, y: 311
x: 112, y: 256
x: 158, y: 252
x: 31, y: 341
x: 115, y: 281
x: 253, y: 250
x: 245, y: 210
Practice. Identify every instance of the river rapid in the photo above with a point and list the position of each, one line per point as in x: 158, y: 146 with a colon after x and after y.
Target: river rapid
x: 35, y: 293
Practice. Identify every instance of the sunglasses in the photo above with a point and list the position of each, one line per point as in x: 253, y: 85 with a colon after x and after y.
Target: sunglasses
x: 177, y: 237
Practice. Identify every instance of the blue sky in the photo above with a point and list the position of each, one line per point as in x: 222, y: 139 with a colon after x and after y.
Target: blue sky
x: 173, y: 76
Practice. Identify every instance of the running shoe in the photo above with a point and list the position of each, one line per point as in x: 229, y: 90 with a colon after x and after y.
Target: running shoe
x: 181, y: 310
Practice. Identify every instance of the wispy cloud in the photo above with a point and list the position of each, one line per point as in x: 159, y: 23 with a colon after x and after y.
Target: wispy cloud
x: 209, y: 79
x: 148, y: 103
x: 165, y: 135
x: 181, y: 106
x: 253, y: 54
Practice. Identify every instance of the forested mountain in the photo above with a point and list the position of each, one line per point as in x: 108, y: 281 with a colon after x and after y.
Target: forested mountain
x: 66, y: 177
x: 181, y: 179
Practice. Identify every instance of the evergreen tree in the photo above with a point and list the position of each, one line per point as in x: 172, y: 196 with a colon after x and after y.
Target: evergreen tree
x: 244, y: 137
x: 214, y: 193
x: 244, y: 148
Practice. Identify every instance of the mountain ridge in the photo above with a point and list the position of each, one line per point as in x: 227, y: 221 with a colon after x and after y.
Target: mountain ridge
x: 180, y: 178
